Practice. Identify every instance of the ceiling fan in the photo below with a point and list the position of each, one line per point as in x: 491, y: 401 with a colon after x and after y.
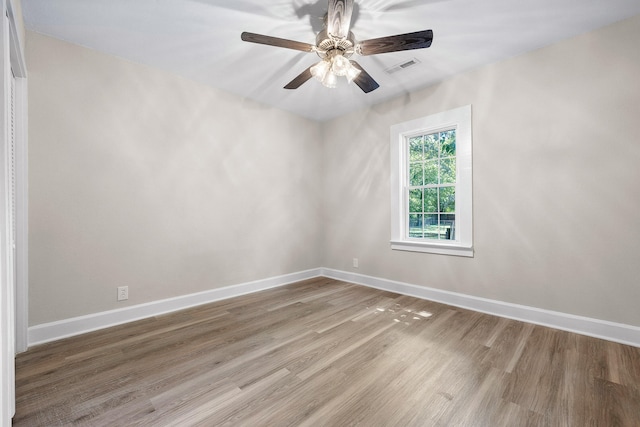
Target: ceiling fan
x: 335, y: 44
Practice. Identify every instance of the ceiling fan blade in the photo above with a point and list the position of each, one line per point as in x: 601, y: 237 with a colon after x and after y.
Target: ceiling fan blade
x: 364, y: 80
x: 339, y: 18
x: 417, y: 40
x: 298, y: 81
x: 275, y: 41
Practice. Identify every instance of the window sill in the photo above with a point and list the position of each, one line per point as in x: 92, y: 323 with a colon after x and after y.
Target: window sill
x: 432, y: 248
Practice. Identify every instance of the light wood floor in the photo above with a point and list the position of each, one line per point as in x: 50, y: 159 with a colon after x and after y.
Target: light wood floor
x: 324, y: 352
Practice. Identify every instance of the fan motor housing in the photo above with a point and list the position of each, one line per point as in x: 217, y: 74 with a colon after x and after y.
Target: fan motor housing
x: 326, y: 43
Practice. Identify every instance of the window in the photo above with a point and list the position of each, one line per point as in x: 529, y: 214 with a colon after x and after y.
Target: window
x: 431, y: 180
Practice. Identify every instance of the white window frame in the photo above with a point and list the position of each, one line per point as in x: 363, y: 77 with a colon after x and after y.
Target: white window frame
x: 460, y: 119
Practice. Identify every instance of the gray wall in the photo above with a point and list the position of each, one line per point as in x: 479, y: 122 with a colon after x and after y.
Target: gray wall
x: 556, y: 158
x: 141, y: 178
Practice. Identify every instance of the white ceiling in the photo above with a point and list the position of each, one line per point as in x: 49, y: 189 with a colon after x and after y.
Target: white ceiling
x: 200, y: 39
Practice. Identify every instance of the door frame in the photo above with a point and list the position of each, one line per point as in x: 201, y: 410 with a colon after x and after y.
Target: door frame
x: 13, y: 279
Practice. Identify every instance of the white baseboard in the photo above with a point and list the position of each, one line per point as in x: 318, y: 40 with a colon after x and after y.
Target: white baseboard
x: 617, y: 332
x: 46, y: 332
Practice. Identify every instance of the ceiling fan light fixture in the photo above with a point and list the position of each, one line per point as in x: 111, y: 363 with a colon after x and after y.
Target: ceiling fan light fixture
x: 332, y: 66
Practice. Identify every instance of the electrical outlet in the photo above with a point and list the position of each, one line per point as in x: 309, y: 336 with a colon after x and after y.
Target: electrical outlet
x: 123, y: 293
x: 355, y: 263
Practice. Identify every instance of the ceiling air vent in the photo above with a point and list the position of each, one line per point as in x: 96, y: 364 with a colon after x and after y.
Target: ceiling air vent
x: 403, y: 65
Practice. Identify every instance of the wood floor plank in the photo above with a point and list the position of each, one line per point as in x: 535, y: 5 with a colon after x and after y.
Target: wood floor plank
x: 325, y: 352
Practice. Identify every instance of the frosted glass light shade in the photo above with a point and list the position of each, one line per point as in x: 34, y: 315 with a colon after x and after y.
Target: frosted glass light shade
x: 320, y: 69
x: 340, y: 65
x: 328, y: 70
x: 330, y: 80
x: 352, y: 73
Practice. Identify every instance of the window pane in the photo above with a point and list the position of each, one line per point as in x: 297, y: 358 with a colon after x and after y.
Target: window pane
x: 447, y: 217
x: 415, y: 200
x: 430, y: 200
x: 431, y: 146
x: 431, y: 226
x: 448, y: 226
x: 448, y: 171
x: 432, y: 163
x: 415, y: 225
x: 447, y: 199
x: 415, y: 149
x: 448, y: 143
x: 431, y: 172
x: 415, y: 174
